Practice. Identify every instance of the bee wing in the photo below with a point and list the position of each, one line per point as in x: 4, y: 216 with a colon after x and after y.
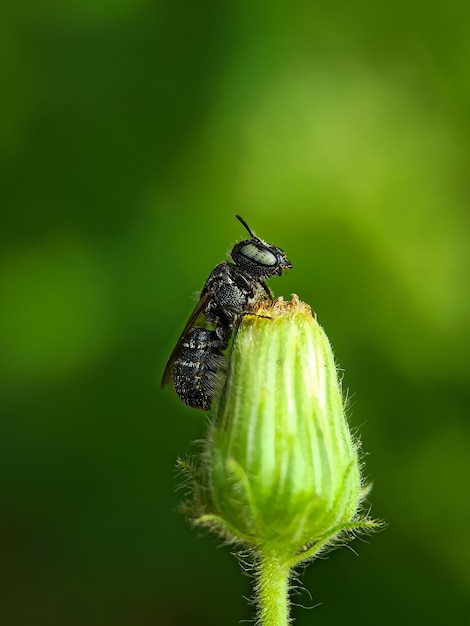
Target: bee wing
x: 200, y: 306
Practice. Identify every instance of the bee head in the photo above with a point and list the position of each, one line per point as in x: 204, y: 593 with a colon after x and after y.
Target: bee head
x: 259, y: 258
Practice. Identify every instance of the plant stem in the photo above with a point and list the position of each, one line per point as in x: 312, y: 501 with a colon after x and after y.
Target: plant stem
x: 272, y: 588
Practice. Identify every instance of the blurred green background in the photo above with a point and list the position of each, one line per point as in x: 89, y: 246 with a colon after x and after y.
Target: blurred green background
x: 131, y: 133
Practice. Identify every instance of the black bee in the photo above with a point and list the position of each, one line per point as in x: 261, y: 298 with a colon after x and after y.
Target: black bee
x: 231, y: 291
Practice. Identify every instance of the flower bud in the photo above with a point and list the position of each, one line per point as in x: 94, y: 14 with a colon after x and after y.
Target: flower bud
x: 283, y: 468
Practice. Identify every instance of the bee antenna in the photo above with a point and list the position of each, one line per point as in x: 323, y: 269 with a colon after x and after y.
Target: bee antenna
x: 240, y: 219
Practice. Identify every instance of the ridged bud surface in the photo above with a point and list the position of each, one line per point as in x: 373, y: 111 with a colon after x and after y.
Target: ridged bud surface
x: 283, y: 465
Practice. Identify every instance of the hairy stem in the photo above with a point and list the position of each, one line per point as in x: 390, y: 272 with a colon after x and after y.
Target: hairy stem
x: 272, y: 588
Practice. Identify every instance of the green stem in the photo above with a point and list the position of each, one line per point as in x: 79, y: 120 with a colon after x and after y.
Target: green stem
x: 272, y: 588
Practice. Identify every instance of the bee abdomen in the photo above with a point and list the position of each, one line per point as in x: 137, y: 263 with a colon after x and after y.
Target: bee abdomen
x: 198, y: 371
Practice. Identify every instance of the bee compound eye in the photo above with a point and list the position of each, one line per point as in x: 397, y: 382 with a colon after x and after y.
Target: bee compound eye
x: 263, y: 256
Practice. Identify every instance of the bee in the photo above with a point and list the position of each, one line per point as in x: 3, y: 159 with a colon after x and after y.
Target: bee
x: 197, y: 365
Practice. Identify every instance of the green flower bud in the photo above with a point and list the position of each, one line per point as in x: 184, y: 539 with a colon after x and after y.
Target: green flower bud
x: 282, y: 465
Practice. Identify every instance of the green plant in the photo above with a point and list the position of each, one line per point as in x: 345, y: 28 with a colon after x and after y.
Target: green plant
x: 279, y: 475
